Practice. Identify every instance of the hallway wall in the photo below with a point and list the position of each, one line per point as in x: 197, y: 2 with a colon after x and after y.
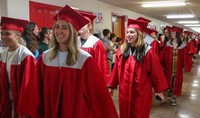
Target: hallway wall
x: 20, y: 9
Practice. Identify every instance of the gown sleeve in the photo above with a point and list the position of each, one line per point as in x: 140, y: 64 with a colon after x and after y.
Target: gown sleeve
x: 37, y: 90
x: 101, y: 60
x: 157, y: 74
x: 28, y: 68
x: 114, y: 81
x: 96, y: 92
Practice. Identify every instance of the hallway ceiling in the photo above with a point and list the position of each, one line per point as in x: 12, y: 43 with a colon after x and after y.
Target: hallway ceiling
x: 192, y: 7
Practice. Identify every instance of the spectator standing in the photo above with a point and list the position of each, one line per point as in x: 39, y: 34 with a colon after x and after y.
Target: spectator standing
x: 45, y: 36
x: 108, y: 47
x: 30, y: 36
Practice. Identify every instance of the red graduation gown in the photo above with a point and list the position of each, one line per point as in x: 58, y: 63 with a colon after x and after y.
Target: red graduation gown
x: 95, y: 47
x: 135, y: 80
x: 167, y: 61
x: 22, y: 70
x: 156, y: 46
x: 76, y: 91
x: 152, y: 42
x: 189, y: 52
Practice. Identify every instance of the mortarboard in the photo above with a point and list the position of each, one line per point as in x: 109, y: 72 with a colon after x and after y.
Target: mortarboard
x: 88, y: 16
x: 15, y: 24
x: 168, y: 28
x: 177, y: 29
x: 139, y: 25
x: 70, y: 15
x: 187, y: 32
x: 143, y: 19
x: 153, y: 31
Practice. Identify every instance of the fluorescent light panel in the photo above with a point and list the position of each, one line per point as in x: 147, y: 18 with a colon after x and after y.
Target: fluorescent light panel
x: 179, y: 16
x: 187, y: 22
x: 197, y: 30
x: 193, y: 25
x: 164, y: 4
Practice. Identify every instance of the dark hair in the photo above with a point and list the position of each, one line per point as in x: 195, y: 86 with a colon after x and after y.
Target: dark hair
x: 112, y: 36
x: 96, y: 35
x: 118, y: 39
x: 159, y: 36
x: 43, y: 31
x: 179, y: 41
x: 106, y: 32
x: 30, y: 37
x: 138, y: 54
x: 166, y: 39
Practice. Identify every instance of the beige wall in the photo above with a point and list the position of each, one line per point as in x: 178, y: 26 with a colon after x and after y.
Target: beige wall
x: 20, y: 9
x: 3, y: 8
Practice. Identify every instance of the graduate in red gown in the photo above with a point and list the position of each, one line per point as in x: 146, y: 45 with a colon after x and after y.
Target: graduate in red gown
x: 94, y: 46
x: 147, y: 38
x: 167, y: 35
x: 17, y: 65
x: 135, y: 73
x: 189, y: 51
x: 155, y: 44
x: 172, y: 59
x: 68, y: 82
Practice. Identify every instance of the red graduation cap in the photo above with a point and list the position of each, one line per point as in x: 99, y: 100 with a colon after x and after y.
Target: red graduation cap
x: 152, y: 31
x: 8, y: 23
x: 143, y: 19
x: 70, y: 15
x: 139, y: 25
x: 187, y: 32
x: 177, y: 29
x: 168, y: 28
x: 88, y: 16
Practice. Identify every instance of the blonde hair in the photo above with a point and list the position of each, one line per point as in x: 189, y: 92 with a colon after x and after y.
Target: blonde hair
x: 20, y: 40
x: 125, y: 46
x: 71, y: 44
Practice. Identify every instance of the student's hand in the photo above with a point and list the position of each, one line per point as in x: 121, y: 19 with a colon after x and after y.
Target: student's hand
x: 159, y: 96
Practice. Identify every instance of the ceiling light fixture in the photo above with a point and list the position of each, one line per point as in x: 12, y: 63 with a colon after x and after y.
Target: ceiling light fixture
x: 196, y: 25
x: 163, y: 4
x: 188, y: 22
x: 179, y: 16
x: 197, y: 30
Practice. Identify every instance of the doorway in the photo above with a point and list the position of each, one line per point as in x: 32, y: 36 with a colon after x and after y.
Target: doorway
x: 118, y: 25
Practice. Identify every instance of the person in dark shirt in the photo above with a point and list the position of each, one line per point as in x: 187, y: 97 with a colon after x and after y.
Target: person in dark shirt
x: 44, y: 39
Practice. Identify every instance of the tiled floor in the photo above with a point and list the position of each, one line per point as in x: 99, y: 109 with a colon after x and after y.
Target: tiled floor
x: 188, y: 104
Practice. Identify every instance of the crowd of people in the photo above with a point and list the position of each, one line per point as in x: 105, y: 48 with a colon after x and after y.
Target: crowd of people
x: 68, y: 72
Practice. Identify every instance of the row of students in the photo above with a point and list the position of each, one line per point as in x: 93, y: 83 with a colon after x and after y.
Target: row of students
x: 173, y: 57
x: 70, y: 78
x: 65, y: 82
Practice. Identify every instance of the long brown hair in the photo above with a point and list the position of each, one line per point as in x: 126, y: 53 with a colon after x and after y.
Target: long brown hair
x: 178, y: 37
x: 139, y: 47
x: 30, y: 38
x: 73, y: 50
